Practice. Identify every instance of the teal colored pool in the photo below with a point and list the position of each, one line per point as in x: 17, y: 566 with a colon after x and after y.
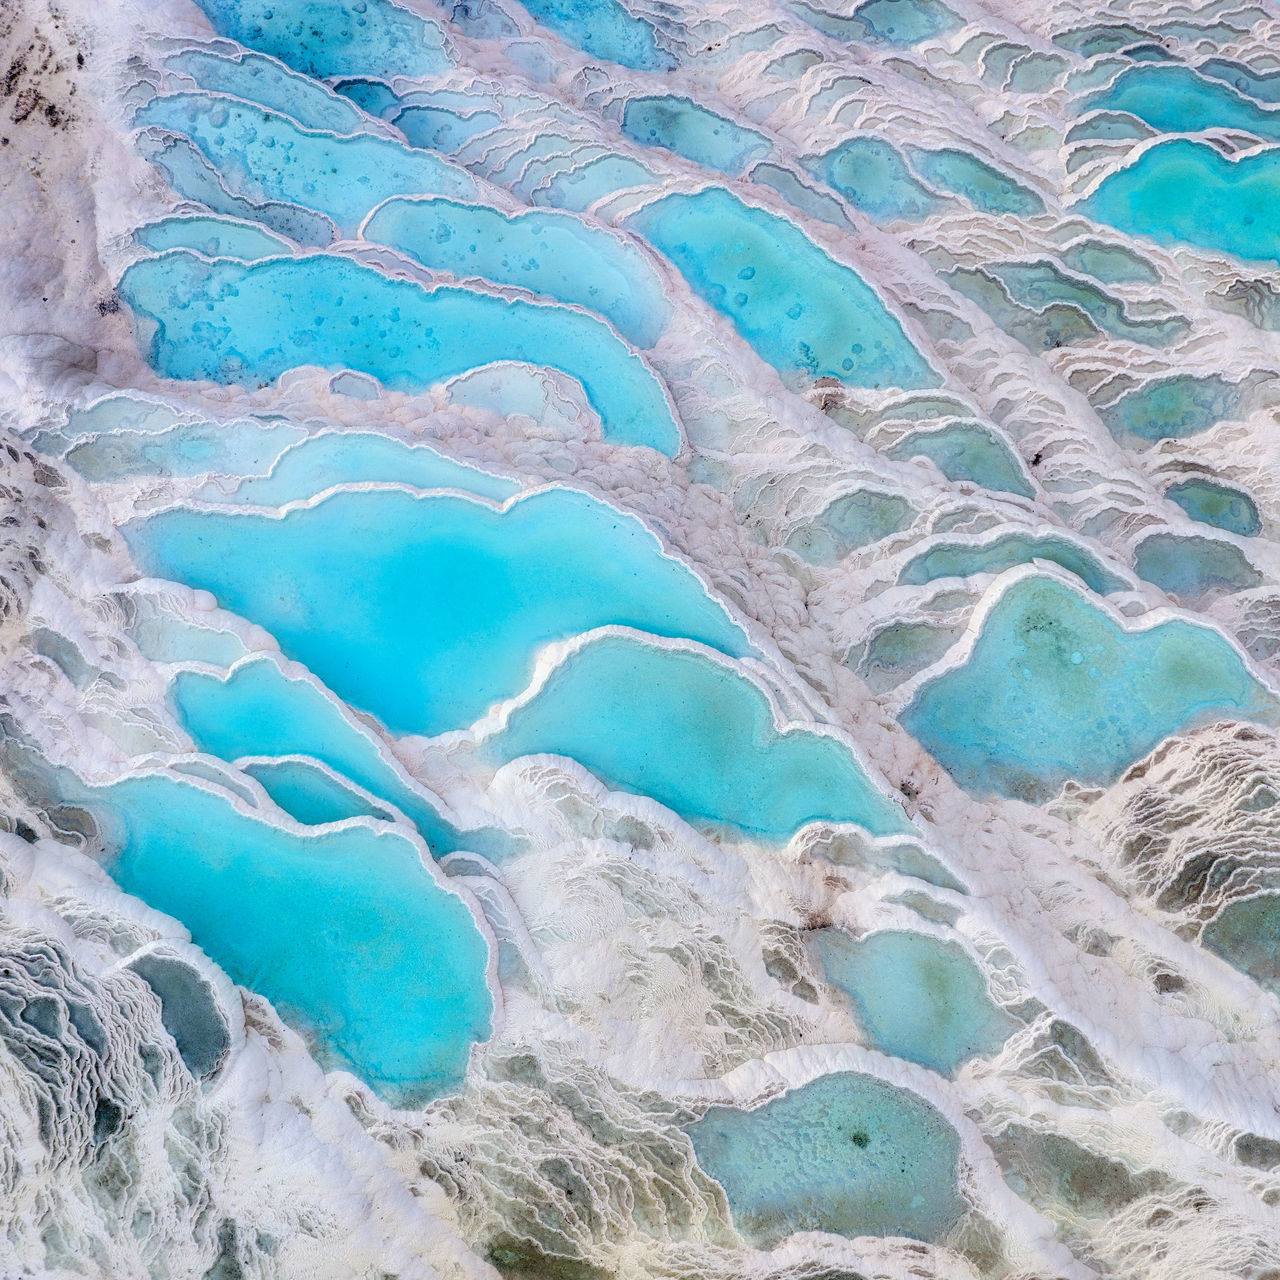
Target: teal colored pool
x: 310, y: 795
x: 229, y: 322
x: 1218, y: 505
x: 847, y: 1153
x: 1184, y: 191
x: 1246, y: 933
x: 258, y: 711
x: 1265, y: 86
x: 1055, y: 689
x: 963, y: 451
x: 962, y: 559
x: 895, y: 22
x: 427, y: 610
x: 547, y: 252
x: 213, y: 237
x: 324, y: 38
x: 191, y: 175
x: 1172, y: 408
x: 345, y: 932
x: 695, y: 736
x: 261, y: 155
x: 918, y: 997
x: 264, y: 81
x: 1174, y: 99
x: 804, y: 313
x: 984, y: 186
x: 872, y: 175
x: 187, y: 449
x: 853, y: 520
x: 604, y: 29
x: 351, y: 457
x: 1110, y: 263
x: 693, y: 131
x: 1041, y: 284
x: 1188, y: 566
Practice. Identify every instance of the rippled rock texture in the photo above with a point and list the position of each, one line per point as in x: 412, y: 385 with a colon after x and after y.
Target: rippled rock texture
x: 640, y: 640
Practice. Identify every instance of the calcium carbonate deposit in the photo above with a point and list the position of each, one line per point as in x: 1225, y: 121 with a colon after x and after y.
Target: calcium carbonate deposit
x: 641, y: 639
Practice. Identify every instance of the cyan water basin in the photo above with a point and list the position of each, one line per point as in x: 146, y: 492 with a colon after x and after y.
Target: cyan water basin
x: 963, y: 559
x: 345, y: 931
x: 1218, y: 505
x: 229, y: 322
x: 604, y: 29
x: 847, y: 1153
x: 351, y: 457
x: 325, y: 38
x: 807, y: 315
x: 1188, y: 192
x: 258, y: 711
x: 262, y: 155
x: 676, y: 725
x: 693, y: 131
x: 427, y: 610
x: 918, y: 997
x: 547, y: 252
x: 1174, y: 99
x: 1055, y: 688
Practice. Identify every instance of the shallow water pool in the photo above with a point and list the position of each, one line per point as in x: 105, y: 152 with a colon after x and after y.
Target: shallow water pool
x: 847, y: 1153
x: 233, y: 323
x: 806, y: 314
x: 694, y: 735
x: 918, y: 997
x: 345, y: 932
x: 427, y: 610
x: 1055, y: 689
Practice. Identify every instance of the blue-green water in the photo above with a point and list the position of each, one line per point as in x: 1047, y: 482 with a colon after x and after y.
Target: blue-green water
x: 441, y: 128
x: 1187, y: 191
x: 806, y: 314
x: 693, y: 131
x: 871, y: 174
x: 918, y: 997
x: 847, y: 1153
x: 695, y: 736
x: 1265, y: 86
x: 264, y: 81
x: 1172, y: 408
x: 1110, y: 263
x: 427, y: 610
x: 967, y: 452
x: 1246, y: 933
x: 1174, y: 99
x: 350, y: 457
x: 229, y: 322
x: 191, y: 175
x: 262, y: 155
x: 580, y: 187
x: 1041, y: 284
x: 309, y: 794
x: 213, y: 237
x: 604, y: 29
x: 895, y: 22
x: 345, y: 932
x: 1055, y: 689
x: 1189, y: 566
x: 188, y: 449
x: 258, y: 711
x: 550, y: 253
x: 984, y: 186
x: 334, y: 37
x: 853, y: 520
x: 962, y: 559
x: 1218, y: 505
